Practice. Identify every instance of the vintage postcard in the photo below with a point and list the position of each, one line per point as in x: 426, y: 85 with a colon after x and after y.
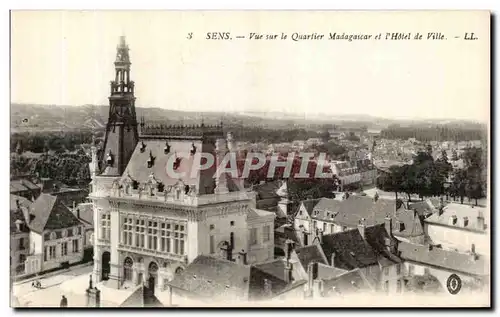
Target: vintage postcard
x: 250, y: 158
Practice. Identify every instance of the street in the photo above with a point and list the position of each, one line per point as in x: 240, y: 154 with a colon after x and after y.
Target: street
x: 50, y: 294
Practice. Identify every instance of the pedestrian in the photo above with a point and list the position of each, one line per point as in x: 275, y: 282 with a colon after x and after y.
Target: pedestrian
x: 64, y: 301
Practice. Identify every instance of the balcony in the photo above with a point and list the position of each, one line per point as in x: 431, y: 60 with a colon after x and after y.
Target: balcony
x: 154, y: 253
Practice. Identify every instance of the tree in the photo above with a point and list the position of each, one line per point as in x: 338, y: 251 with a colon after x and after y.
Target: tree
x: 454, y: 155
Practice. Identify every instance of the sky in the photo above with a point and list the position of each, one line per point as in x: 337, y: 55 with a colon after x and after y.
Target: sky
x: 66, y: 58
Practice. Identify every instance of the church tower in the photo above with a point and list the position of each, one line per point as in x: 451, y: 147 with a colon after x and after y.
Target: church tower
x: 121, y: 128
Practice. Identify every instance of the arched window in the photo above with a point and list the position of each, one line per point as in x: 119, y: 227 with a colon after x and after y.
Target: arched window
x: 127, y: 269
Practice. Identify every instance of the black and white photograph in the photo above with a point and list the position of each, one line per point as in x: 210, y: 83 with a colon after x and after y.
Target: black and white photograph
x: 249, y: 159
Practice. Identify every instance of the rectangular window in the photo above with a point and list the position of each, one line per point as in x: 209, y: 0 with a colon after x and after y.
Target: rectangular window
x: 266, y: 233
x: 52, y: 251
x: 45, y: 253
x: 399, y: 288
x: 253, y: 236
x: 75, y: 246
x: 315, y: 225
x: 386, y: 286
x: 411, y: 269
x: 105, y: 226
x: 70, y: 232
x: 398, y: 269
x: 153, y: 235
x: 386, y: 270
x: 64, y: 249
x: 212, y: 244
x: 332, y: 228
x: 324, y: 226
x: 21, y: 244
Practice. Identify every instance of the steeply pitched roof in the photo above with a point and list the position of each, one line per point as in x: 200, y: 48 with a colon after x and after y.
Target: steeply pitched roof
x: 447, y: 259
x: 138, y: 164
x: 213, y: 278
x: 377, y: 236
x: 351, y: 250
x: 142, y: 298
x: 326, y: 272
x: 349, y: 211
x: 310, y: 253
x: 351, y: 282
x: 460, y: 212
x: 50, y: 214
x: 86, y: 213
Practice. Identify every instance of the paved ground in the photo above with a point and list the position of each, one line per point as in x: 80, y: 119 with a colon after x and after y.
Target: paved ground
x: 50, y: 294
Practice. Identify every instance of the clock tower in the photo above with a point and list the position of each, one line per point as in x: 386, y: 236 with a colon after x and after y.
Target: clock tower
x: 121, y: 128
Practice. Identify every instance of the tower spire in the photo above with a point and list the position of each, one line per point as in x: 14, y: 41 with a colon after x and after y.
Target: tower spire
x: 121, y: 129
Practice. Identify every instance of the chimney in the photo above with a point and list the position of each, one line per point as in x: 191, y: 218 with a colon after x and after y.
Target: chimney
x: 288, y: 249
x: 473, y: 253
x: 288, y: 272
x: 361, y: 227
x: 332, y: 259
x: 388, y: 225
x: 430, y: 247
x: 480, y: 220
x: 78, y: 213
x: 318, y: 288
x: 312, y: 274
x: 388, y: 244
x: 242, y: 258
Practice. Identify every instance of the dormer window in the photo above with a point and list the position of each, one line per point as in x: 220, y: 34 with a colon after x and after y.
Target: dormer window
x: 151, y: 160
x: 466, y: 221
x: 109, y: 159
x: 186, y: 189
x: 53, y: 236
x: 177, y: 163
x: 166, y: 149
x: 193, y: 149
x: 160, y: 187
x: 143, y: 147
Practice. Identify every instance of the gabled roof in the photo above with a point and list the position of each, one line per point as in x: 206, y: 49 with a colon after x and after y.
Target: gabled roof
x: 446, y: 259
x: 259, y: 213
x: 351, y: 250
x: 86, y: 213
x: 310, y: 253
x: 349, y: 211
x: 141, y: 297
x: 326, y: 272
x: 460, y: 212
x: 50, y: 214
x: 214, y: 278
x: 351, y: 282
x: 376, y: 237
x: 309, y: 205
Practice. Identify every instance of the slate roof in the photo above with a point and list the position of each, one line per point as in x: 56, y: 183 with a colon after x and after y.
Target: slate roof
x: 141, y: 298
x: 310, y: 253
x: 276, y: 268
x: 213, y: 278
x: 460, y: 211
x: 259, y: 213
x: 326, y: 272
x: 349, y: 211
x: 353, y: 281
x: 351, y: 250
x: 376, y: 237
x: 139, y: 171
x: 412, y: 224
x: 50, y: 214
x: 86, y: 213
x: 18, y: 185
x: 445, y: 259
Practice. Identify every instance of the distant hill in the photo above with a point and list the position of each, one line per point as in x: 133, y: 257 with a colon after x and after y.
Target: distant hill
x: 30, y: 117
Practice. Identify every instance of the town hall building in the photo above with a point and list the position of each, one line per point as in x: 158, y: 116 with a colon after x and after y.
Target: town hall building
x: 149, y: 224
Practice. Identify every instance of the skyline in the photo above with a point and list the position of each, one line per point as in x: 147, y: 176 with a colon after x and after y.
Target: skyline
x: 77, y: 50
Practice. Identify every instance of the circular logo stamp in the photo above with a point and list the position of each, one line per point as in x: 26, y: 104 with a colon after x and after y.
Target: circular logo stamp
x: 454, y: 284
